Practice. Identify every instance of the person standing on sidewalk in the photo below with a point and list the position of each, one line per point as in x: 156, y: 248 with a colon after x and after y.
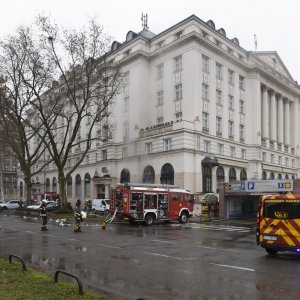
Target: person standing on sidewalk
x: 78, y: 218
x: 43, y: 215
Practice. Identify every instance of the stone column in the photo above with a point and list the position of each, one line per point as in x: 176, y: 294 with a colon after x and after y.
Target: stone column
x: 280, y: 127
x: 286, y: 122
x: 273, y: 117
x: 265, y: 114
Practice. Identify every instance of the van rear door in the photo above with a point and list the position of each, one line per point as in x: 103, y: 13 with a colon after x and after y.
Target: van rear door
x: 281, y: 224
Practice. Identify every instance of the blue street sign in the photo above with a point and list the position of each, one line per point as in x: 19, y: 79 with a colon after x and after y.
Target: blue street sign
x: 251, y: 185
x: 280, y: 185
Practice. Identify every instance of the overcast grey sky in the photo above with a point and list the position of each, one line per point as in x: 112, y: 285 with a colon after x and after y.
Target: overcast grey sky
x: 276, y: 23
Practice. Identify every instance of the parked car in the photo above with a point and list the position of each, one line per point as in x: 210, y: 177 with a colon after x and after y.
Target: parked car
x: 37, y: 205
x: 10, y: 204
x: 100, y: 205
x: 53, y: 206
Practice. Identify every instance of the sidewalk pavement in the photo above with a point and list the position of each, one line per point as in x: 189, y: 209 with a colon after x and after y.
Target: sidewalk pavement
x: 250, y: 223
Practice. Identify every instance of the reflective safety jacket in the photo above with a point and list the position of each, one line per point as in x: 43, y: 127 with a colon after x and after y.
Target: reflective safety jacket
x: 43, y: 211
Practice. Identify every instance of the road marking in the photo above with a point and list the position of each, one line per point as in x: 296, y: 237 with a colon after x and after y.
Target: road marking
x: 110, y: 246
x: 12, y: 228
x: 234, y: 267
x: 163, y: 255
x: 11, y: 238
x: 31, y: 232
x: 219, y: 249
x: 72, y: 239
x: 161, y: 241
x: 222, y: 227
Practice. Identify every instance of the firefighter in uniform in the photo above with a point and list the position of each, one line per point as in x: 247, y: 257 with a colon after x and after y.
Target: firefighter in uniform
x: 78, y: 218
x: 43, y: 215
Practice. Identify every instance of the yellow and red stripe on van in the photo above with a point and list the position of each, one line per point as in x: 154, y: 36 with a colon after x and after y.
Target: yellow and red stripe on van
x: 279, y: 229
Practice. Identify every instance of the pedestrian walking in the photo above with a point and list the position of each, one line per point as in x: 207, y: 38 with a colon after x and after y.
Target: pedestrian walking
x: 43, y: 215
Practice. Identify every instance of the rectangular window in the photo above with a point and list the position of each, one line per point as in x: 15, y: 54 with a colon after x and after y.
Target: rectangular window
x: 178, y: 116
x: 198, y: 141
x: 219, y: 124
x: 230, y: 128
x: 242, y: 132
x: 219, y: 97
x: 160, y: 71
x: 206, y: 146
x: 205, y: 91
x: 205, y: 119
x: 280, y: 160
x: 167, y: 144
x: 232, y: 151
x: 272, y: 159
x: 230, y: 102
x: 126, y: 129
x: 242, y: 82
x: 124, y: 152
x: 230, y: 77
x: 286, y: 161
x: 178, y: 63
x: 178, y: 91
x: 243, y: 154
x: 219, y: 70
x: 160, y: 98
x: 104, y: 154
x: 148, y: 148
x: 205, y: 64
x: 126, y: 104
x: 264, y: 156
x: 220, y: 149
x: 291, y: 209
x: 242, y: 107
x: 126, y: 79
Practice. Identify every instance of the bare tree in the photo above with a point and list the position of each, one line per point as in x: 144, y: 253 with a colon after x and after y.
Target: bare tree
x: 80, y: 97
x: 15, y: 99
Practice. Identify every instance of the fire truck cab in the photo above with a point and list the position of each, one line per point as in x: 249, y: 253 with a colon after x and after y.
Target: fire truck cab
x: 278, y: 223
x: 149, y: 202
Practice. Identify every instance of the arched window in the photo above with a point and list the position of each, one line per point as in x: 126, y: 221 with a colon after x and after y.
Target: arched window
x: 206, y: 179
x: 87, y: 185
x: 220, y: 175
x: 286, y: 176
x: 264, y: 175
x: 69, y: 186
x: 78, y: 186
x: 125, y: 176
x: 167, y: 174
x: 293, y: 177
x: 149, y: 175
x: 279, y: 176
x: 54, y: 185
x: 48, y: 185
x: 243, y: 175
x: 272, y: 176
x: 232, y: 174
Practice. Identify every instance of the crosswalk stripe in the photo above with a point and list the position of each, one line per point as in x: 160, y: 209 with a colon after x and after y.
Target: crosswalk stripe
x: 221, y: 228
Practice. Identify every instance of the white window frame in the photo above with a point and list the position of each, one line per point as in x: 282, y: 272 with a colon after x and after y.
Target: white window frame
x: 220, y: 149
x: 241, y: 82
x: 205, y: 120
x: 230, y: 102
x: 206, y: 146
x: 148, y: 148
x: 160, y: 71
x: 219, y: 97
x: 219, y: 70
x: 230, y: 77
x: 178, y: 63
x: 167, y: 143
x: 205, y: 91
x: 230, y: 128
x: 178, y: 91
x: 219, y: 124
x: 205, y: 63
x: 160, y: 97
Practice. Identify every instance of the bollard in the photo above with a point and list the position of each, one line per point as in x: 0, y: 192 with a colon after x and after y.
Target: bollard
x: 19, y: 258
x: 71, y: 275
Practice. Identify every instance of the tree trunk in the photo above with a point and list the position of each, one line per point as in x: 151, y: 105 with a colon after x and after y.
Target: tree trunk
x: 28, y: 191
x: 62, y: 190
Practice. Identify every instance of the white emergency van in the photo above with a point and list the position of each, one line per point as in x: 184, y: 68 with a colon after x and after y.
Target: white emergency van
x: 100, y: 206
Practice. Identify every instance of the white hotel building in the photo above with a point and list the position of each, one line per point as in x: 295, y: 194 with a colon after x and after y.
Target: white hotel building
x: 196, y: 109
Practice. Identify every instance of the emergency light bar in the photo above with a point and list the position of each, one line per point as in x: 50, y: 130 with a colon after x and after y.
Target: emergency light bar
x: 150, y: 185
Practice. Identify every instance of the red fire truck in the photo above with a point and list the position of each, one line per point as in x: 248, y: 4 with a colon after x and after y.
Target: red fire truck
x: 150, y: 202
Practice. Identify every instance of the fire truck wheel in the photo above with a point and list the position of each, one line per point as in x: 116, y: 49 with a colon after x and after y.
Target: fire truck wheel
x: 271, y: 251
x: 183, y: 218
x: 149, y: 219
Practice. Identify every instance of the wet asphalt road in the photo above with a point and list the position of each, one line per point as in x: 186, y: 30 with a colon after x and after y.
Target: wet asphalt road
x: 165, y: 261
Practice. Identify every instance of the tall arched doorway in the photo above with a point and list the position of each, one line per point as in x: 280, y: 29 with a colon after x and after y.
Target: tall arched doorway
x: 232, y: 175
x: 167, y: 174
x: 206, y: 179
x: 149, y: 175
x: 78, y: 186
x: 125, y: 176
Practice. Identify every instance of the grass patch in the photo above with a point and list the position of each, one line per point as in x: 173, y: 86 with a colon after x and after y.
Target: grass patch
x: 34, y: 285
